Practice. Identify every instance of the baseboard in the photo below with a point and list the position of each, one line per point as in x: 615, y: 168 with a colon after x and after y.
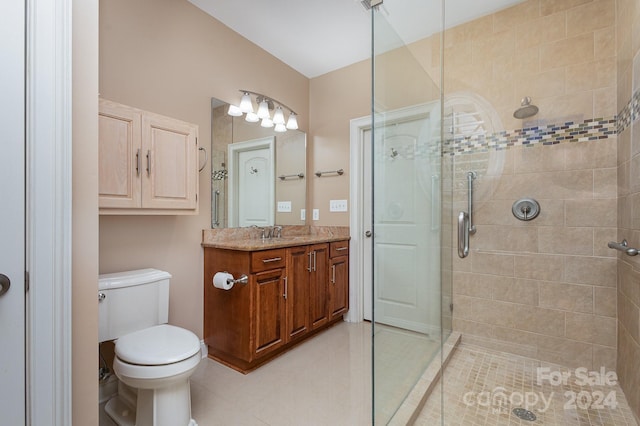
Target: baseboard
x: 204, y: 349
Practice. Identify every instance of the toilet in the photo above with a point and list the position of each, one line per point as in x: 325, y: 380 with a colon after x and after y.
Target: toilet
x: 153, y: 360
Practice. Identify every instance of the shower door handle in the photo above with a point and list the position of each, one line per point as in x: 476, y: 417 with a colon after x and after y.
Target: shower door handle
x: 463, y: 235
x: 5, y: 283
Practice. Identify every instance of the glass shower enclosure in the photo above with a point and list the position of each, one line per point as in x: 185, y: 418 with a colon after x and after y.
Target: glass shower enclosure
x: 411, y: 204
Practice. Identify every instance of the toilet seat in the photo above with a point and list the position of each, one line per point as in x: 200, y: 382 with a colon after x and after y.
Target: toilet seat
x: 159, y: 345
x: 148, y: 376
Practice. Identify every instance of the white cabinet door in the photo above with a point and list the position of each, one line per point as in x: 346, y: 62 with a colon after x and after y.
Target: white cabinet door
x: 120, y: 156
x: 12, y: 213
x: 170, y: 153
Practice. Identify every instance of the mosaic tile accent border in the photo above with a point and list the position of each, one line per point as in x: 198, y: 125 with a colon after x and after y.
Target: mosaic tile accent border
x: 588, y: 130
x: 630, y: 113
x: 552, y: 134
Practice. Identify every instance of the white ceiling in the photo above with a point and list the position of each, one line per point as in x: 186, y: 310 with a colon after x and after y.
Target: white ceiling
x: 316, y: 37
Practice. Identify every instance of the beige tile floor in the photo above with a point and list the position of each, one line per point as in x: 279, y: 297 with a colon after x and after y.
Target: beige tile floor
x: 324, y: 381
x: 327, y: 381
x: 400, y: 359
x: 478, y: 372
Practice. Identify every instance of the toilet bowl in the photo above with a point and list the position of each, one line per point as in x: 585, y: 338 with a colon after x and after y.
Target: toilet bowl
x: 153, y: 360
x: 158, y: 362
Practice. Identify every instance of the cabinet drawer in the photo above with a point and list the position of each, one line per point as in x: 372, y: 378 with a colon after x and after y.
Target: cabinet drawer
x: 339, y: 248
x: 267, y: 259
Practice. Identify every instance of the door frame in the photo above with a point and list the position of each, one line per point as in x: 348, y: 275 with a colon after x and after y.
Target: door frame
x: 357, y: 187
x: 233, y: 155
x: 48, y: 209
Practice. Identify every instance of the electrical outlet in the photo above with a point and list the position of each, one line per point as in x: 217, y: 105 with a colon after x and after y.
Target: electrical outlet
x: 284, y: 206
x: 316, y: 214
x: 338, y: 205
x: 303, y: 214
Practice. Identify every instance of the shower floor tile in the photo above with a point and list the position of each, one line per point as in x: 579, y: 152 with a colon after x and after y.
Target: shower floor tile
x: 481, y: 387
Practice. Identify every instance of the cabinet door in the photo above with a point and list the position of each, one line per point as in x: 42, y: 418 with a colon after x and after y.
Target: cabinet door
x: 119, y: 156
x: 339, y: 286
x: 319, y: 286
x: 269, y: 330
x: 170, y: 153
x: 297, y: 292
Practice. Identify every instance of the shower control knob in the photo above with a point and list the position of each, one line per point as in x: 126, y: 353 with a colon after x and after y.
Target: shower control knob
x: 367, y: 234
x: 526, y: 209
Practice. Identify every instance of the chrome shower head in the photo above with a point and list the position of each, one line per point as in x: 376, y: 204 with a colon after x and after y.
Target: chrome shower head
x: 526, y: 109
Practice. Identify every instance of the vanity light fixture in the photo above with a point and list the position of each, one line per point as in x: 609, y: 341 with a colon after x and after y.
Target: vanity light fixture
x: 265, y: 105
x: 246, y: 105
x: 234, y: 111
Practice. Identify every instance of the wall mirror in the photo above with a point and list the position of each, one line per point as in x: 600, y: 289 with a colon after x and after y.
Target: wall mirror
x: 258, y: 176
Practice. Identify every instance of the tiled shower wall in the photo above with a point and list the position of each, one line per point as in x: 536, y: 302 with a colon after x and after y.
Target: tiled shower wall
x: 544, y: 288
x: 628, y: 81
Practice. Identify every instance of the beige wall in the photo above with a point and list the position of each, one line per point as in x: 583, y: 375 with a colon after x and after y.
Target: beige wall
x: 169, y: 57
x: 404, y: 77
x: 544, y: 288
x: 335, y: 99
x: 628, y: 51
x: 85, y: 213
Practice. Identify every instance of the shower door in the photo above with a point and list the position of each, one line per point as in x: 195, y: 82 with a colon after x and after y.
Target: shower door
x: 410, y: 268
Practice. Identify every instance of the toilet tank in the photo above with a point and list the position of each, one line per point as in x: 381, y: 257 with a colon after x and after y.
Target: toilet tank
x: 131, y: 301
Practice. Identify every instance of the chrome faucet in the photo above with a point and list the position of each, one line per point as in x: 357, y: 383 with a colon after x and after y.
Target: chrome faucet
x: 268, y: 232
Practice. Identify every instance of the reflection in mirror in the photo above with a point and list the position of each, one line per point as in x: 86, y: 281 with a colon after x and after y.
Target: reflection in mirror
x: 258, y: 176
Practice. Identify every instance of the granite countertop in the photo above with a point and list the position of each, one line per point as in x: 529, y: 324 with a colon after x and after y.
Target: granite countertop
x: 243, y: 239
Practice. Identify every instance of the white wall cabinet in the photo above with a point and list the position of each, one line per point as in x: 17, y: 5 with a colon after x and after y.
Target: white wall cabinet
x: 148, y: 163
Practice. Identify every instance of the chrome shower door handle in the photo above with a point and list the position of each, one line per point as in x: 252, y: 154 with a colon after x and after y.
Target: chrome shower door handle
x: 471, y: 176
x: 5, y: 283
x: 463, y: 235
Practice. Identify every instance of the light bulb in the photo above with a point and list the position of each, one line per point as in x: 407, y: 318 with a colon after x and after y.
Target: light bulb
x: 245, y: 103
x: 278, y: 116
x: 252, y: 117
x: 292, y: 123
x: 263, y: 109
x: 280, y: 128
x: 266, y: 122
x: 234, y: 111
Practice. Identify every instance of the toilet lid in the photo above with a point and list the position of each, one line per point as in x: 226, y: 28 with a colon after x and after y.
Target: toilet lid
x: 158, y: 345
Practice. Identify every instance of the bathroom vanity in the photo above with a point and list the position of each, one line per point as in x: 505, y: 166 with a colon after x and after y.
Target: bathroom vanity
x: 297, y: 286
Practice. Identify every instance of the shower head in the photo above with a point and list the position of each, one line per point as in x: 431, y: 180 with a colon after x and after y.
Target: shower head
x: 526, y: 109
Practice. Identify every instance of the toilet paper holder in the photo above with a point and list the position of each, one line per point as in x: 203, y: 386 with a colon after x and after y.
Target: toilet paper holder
x: 244, y: 279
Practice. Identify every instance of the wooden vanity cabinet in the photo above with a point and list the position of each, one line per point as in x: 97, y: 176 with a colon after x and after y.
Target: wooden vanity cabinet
x: 291, y: 293
x: 319, y: 286
x: 269, y: 310
x: 297, y: 292
x: 246, y: 323
x: 338, y: 279
x: 148, y: 163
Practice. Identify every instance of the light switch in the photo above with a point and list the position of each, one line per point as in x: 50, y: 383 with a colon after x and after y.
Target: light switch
x: 284, y: 206
x: 338, y: 205
x: 303, y: 214
x: 316, y: 214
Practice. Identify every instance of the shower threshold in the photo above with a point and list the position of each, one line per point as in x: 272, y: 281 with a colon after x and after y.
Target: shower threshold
x: 414, y: 402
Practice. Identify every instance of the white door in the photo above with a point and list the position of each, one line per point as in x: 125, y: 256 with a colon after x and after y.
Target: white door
x: 405, y: 220
x: 252, y: 183
x: 12, y: 213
